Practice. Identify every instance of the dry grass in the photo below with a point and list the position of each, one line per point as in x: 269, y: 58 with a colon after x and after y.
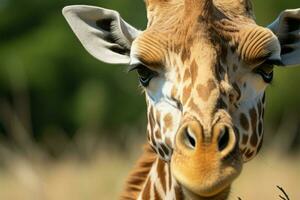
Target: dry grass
x: 102, y: 178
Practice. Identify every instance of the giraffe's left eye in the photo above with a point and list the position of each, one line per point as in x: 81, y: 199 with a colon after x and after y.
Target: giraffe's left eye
x: 145, y: 74
x: 266, y: 72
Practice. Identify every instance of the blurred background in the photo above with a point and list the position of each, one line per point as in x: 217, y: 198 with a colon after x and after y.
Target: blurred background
x: 72, y: 127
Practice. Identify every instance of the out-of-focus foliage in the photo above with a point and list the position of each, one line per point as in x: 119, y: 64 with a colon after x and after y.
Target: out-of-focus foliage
x: 54, y: 89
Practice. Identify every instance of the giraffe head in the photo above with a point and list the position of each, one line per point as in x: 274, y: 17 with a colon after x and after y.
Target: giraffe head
x: 204, y: 66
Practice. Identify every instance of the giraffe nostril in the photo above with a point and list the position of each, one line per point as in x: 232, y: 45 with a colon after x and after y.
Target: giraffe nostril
x: 223, y: 139
x: 189, y: 139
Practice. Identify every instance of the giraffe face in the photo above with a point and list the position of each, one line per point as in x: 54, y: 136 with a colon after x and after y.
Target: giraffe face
x: 204, y: 66
x: 205, y: 89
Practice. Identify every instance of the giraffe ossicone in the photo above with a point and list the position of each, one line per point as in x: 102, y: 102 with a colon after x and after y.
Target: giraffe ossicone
x: 204, y: 66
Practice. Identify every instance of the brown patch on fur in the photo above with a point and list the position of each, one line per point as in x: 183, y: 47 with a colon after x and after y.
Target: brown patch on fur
x: 157, y: 134
x: 156, y: 195
x: 168, y: 121
x: 245, y: 139
x: 193, y: 70
x: 138, y: 176
x: 178, y: 193
x: 260, y: 127
x: 194, y: 107
x: 237, y: 89
x: 185, y: 54
x: 254, y: 139
x: 146, y: 191
x: 162, y: 174
x: 169, y: 177
x: 205, y: 91
x: 186, y: 94
x: 165, y: 149
x: 244, y: 121
x: 186, y: 75
x: 168, y: 142
x: 221, y: 104
x: 161, y: 152
x: 249, y: 154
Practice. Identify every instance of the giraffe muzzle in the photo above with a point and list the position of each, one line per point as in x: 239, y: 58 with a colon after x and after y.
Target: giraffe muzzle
x: 205, y: 163
x: 191, y: 137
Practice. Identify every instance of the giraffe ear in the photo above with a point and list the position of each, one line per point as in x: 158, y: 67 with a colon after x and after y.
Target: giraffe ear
x: 102, y: 32
x: 287, y: 28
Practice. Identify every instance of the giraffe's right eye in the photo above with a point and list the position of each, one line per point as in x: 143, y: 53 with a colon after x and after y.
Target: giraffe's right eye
x: 145, y: 74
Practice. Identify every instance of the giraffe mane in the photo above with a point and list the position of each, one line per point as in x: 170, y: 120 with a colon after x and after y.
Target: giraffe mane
x: 139, y: 174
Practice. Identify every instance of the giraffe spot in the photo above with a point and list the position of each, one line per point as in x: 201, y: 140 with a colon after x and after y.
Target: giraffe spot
x: 194, y: 107
x: 154, y: 149
x: 169, y: 177
x: 165, y: 150
x: 186, y: 75
x: 161, y: 174
x: 157, y: 134
x: 254, y: 139
x: 253, y: 115
x: 168, y: 121
x: 161, y: 153
x: 185, y: 54
x: 260, y: 128
x: 237, y: 89
x: 243, y: 151
x: 177, y: 49
x: 204, y: 92
x: 151, y: 118
x: 249, y: 154
x: 264, y: 98
x: 224, y: 52
x: 221, y: 104
x: 186, y: 94
x: 157, y: 115
x: 146, y: 192
x: 168, y: 142
x: 244, y: 121
x: 156, y: 194
x: 245, y: 139
x: 178, y: 192
x: 219, y: 71
x: 193, y: 70
x: 233, y: 48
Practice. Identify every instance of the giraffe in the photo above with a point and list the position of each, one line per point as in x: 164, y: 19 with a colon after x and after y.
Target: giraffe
x: 204, y: 66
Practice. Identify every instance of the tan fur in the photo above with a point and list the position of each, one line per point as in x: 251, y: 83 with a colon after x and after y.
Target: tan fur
x: 138, y: 176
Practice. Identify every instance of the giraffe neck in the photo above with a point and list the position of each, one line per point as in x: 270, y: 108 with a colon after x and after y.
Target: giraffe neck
x: 160, y: 184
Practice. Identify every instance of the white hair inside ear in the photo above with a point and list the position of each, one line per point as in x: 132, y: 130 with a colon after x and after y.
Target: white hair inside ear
x: 102, y: 32
x: 287, y: 28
